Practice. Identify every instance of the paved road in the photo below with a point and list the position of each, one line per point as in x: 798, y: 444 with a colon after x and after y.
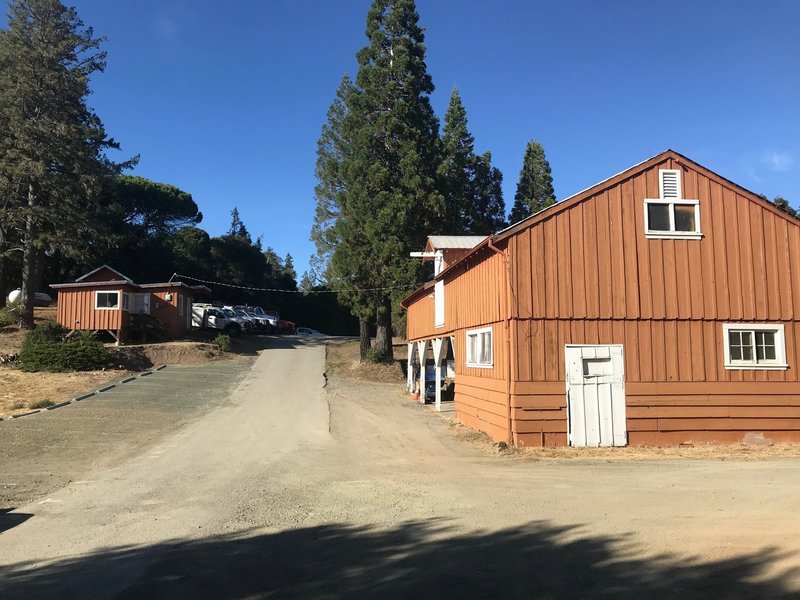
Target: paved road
x: 290, y: 489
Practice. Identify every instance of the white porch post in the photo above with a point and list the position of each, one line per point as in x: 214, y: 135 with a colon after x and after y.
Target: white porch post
x: 439, y: 350
x: 453, y: 345
x: 421, y: 348
x: 410, y: 369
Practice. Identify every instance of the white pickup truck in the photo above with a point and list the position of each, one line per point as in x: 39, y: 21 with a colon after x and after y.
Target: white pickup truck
x: 208, y: 316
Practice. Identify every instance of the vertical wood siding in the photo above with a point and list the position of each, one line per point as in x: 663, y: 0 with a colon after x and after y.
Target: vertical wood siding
x: 593, y: 261
x: 76, y: 310
x: 475, y: 297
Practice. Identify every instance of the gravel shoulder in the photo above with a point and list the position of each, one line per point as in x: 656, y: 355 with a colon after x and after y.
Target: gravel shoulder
x: 46, y: 451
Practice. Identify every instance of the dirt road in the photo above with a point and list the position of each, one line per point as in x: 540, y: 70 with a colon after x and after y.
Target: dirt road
x: 290, y: 489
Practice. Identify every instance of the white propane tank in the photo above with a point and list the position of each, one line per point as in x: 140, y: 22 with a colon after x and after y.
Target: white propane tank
x: 14, y: 295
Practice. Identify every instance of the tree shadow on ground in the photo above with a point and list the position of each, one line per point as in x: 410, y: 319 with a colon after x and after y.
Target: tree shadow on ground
x: 9, y: 519
x: 413, y: 560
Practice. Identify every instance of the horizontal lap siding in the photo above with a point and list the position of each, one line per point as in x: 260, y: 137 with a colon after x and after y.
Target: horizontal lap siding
x: 677, y: 412
x: 480, y: 402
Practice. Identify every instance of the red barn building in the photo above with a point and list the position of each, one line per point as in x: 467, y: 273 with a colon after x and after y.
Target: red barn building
x: 659, y: 306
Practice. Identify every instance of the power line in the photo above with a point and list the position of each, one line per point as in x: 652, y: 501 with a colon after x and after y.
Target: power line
x: 257, y: 289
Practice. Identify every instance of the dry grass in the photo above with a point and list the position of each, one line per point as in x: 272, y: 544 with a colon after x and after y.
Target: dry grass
x: 20, y: 392
x: 343, y: 360
x: 704, y: 451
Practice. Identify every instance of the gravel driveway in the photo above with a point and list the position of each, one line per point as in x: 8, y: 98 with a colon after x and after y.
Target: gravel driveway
x: 291, y: 489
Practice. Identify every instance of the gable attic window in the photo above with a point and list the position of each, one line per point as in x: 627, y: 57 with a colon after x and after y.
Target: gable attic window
x: 671, y: 216
x: 106, y: 300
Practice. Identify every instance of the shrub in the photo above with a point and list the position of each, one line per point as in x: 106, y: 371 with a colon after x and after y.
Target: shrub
x: 47, y: 348
x: 8, y: 315
x: 41, y: 404
x: 373, y: 355
x: 223, y: 342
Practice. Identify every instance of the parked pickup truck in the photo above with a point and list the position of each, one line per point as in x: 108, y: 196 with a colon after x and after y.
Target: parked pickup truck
x: 207, y: 316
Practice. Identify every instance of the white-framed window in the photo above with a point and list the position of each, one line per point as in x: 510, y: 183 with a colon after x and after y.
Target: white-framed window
x: 479, y: 348
x: 754, y: 346
x: 126, y: 301
x: 106, y: 300
x: 671, y: 216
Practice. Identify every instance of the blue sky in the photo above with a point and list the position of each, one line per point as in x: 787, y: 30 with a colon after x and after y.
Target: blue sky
x: 226, y: 100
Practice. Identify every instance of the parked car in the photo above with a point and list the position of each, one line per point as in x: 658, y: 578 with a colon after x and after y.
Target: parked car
x: 206, y: 316
x: 252, y: 324
x: 430, y: 382
x: 246, y: 324
x: 308, y: 331
x: 270, y: 316
x: 259, y: 323
x: 286, y: 326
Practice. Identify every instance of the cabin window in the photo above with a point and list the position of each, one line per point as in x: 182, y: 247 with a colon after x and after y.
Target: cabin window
x: 479, y: 348
x: 106, y: 300
x: 179, y: 300
x: 670, y: 215
x: 754, y: 346
x: 126, y: 301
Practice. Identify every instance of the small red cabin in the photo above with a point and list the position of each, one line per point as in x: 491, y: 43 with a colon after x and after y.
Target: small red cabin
x: 105, y: 299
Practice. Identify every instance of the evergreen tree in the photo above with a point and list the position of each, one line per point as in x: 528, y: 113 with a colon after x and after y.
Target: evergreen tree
x: 457, y: 165
x: 237, y: 228
x: 486, y: 214
x: 472, y: 188
x: 783, y: 204
x: 389, y: 200
x: 332, y: 152
x: 288, y: 267
x: 52, y: 160
x: 535, y: 187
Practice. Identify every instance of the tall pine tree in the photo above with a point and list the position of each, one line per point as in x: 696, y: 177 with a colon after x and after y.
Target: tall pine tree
x: 52, y: 160
x: 333, y: 152
x: 472, y: 188
x: 390, y: 200
x: 535, y: 188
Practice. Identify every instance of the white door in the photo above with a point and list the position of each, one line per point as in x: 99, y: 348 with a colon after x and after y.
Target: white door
x: 595, y: 396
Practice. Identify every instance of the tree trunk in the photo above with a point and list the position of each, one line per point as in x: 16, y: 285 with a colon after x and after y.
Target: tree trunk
x: 30, y: 265
x: 363, y: 337
x: 3, y: 292
x: 383, y: 335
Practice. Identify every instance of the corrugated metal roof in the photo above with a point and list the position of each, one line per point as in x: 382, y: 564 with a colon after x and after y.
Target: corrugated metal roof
x: 455, y: 241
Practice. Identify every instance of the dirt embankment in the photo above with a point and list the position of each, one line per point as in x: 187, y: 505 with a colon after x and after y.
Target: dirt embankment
x: 343, y: 361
